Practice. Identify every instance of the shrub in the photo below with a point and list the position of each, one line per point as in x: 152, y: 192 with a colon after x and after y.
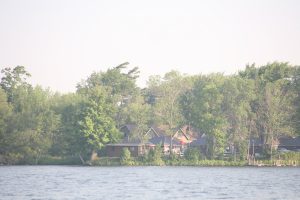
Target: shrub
x: 106, y: 161
x: 155, y: 156
x: 173, y: 160
x: 192, y: 154
x: 10, y: 159
x: 125, y: 158
x: 290, y: 156
x: 54, y: 160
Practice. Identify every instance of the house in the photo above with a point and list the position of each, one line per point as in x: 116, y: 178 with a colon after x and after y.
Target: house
x: 256, y: 146
x: 182, y: 136
x: 179, y: 141
x: 289, y: 143
x: 129, y: 129
x: 166, y: 142
x: 155, y: 135
x: 136, y: 149
x: 134, y: 145
x: 154, y: 132
x: 127, y: 132
x: 190, y: 133
x: 200, y: 143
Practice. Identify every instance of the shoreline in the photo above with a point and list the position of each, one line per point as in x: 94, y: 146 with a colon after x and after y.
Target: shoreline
x: 133, y: 166
x: 152, y: 161
x: 202, y: 163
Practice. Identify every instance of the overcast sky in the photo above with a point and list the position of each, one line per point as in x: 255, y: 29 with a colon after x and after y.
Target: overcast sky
x: 61, y: 42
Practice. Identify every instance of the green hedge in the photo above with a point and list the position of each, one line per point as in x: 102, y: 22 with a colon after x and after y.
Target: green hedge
x: 155, y: 159
x: 106, y: 161
x: 140, y: 161
x: 52, y: 160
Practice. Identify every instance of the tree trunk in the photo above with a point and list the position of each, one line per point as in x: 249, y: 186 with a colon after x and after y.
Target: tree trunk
x: 94, y: 155
x: 37, y: 157
x: 82, y: 161
x: 271, y: 157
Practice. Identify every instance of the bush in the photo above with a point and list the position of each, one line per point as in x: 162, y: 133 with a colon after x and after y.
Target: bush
x: 125, y: 158
x: 290, y: 156
x: 155, y: 156
x: 10, y: 159
x: 243, y: 148
x: 192, y: 154
x: 173, y: 160
x: 54, y: 160
x: 106, y: 161
x: 221, y: 163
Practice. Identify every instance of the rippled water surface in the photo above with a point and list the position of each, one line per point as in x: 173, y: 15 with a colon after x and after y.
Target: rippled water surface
x: 70, y: 182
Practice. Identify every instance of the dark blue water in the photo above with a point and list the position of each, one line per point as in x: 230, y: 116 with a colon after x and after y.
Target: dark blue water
x: 67, y: 182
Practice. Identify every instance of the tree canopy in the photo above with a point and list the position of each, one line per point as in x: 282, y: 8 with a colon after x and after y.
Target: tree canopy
x: 258, y: 102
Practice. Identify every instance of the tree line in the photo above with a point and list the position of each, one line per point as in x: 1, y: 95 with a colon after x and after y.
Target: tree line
x: 257, y: 102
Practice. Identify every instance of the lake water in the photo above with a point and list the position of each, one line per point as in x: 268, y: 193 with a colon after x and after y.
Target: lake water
x: 113, y: 183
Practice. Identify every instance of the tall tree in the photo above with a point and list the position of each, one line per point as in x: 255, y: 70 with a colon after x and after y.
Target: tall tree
x: 165, y: 94
x: 296, y: 86
x: 69, y: 140
x: 33, y: 124
x: 238, y: 94
x: 12, y: 78
x: 97, y: 123
x: 273, y: 106
x: 139, y: 114
x: 121, y: 85
x: 205, y: 111
x: 5, y: 112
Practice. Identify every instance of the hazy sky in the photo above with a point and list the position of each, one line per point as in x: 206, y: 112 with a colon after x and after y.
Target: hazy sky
x: 61, y: 42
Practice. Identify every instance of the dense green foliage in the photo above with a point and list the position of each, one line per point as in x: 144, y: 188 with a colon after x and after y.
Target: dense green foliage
x: 125, y: 158
x: 37, y: 125
x: 155, y: 156
x: 192, y: 154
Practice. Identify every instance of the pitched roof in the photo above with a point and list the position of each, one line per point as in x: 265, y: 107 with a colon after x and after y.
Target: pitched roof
x: 186, y: 134
x: 289, y: 141
x: 125, y: 144
x: 183, y: 134
x: 164, y: 140
x: 160, y: 130
x: 154, y: 130
x: 190, y: 131
x: 200, y: 141
x: 129, y: 127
